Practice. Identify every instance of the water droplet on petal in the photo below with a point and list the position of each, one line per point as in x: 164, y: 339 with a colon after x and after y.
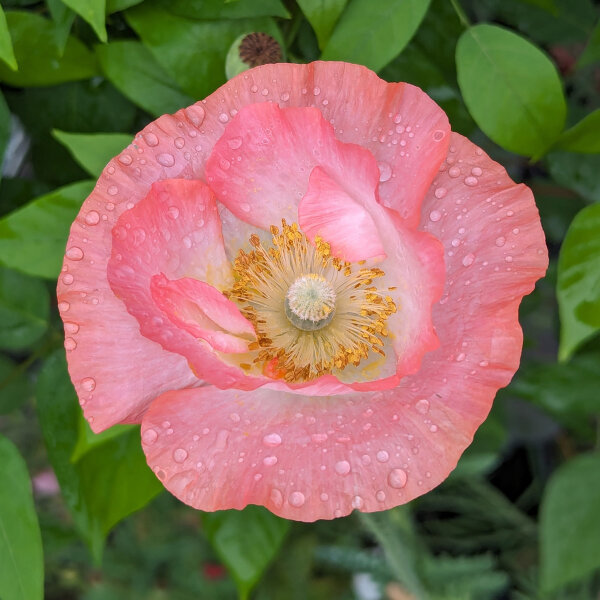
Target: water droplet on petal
x: 173, y: 212
x: 385, y: 171
x: 438, y: 135
x: 435, y: 215
x: 476, y: 171
x: 224, y: 164
x: 234, y: 143
x: 342, y: 467
x: 382, y: 456
x: 74, y: 253
x: 272, y: 440
x: 297, y: 499
x: 433, y: 428
x: 125, y: 159
x: 397, y: 478
x: 422, y: 406
x: 468, y: 260
x: 113, y: 190
x: 70, y: 344
x: 440, y: 192
x: 149, y: 436
x: 166, y: 159
x: 276, y: 497
x: 285, y: 96
x: 357, y: 502
x: 454, y: 171
x: 223, y: 117
x: 179, y: 142
x: 269, y: 461
x: 88, y: 384
x: 245, y: 207
x: 92, y: 218
x: 380, y: 495
x: 179, y: 455
x: 63, y: 306
x: 67, y: 279
x: 471, y: 181
x: 195, y: 115
x: 500, y: 241
x: 69, y: 326
x: 151, y: 139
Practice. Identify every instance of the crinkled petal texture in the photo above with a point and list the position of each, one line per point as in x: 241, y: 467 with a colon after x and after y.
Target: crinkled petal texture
x: 333, y: 147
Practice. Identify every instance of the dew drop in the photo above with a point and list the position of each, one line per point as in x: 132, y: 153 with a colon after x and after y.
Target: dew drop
x: 461, y: 357
x: 224, y: 164
x: 324, y: 497
x: 113, y: 190
x: 67, y: 279
x: 316, y: 91
x: 234, y: 143
x: 245, y: 207
x: 70, y: 327
x: 471, y: 181
x: 63, y: 306
x: 139, y: 235
x: 435, y: 215
x: 149, y: 436
x: 272, y: 440
x: 380, y: 495
x: 438, y: 135
x: 70, y: 344
x: 166, y: 159
x: 187, y: 242
x: 125, y: 159
x: 92, y: 218
x: 269, y: 461
x: 433, y: 428
x: 151, y: 139
x: 88, y: 384
x: 508, y: 259
x: 385, y: 171
x: 276, y: 497
x: 454, y: 171
x: 195, y: 115
x: 179, y: 455
x: 500, y: 241
x: 342, y: 467
x: 74, y: 253
x: 285, y: 97
x: 297, y: 499
x: 440, y: 192
x: 382, y: 456
x: 468, y: 260
x: 476, y: 171
x: 397, y: 478
x: 398, y: 118
x: 173, y: 212
x: 422, y: 406
x: 319, y: 437
x: 357, y: 502
x: 265, y: 92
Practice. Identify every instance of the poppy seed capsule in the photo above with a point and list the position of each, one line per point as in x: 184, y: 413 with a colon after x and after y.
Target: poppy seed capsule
x: 252, y: 50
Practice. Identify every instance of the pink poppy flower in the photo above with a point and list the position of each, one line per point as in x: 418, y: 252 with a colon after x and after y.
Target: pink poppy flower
x: 305, y: 288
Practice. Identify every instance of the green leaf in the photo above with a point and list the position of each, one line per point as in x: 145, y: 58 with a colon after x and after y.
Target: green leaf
x: 246, y: 541
x: 40, y: 62
x: 113, y: 6
x: 578, y: 172
x: 583, y: 137
x: 570, y: 522
x: 21, y: 556
x: 24, y: 309
x: 192, y: 52
x: 87, y: 439
x: 322, y: 15
x: 92, y: 11
x: 33, y: 238
x: 93, y: 150
x: 373, y: 33
x: 217, y: 9
x: 591, y: 54
x: 7, y: 53
x: 511, y: 89
x: 110, y: 480
x: 133, y: 70
x: 14, y: 386
x: 547, y: 5
x: 63, y: 18
x: 578, y: 286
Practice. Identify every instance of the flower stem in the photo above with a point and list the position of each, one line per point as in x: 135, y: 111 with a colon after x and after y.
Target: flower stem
x: 399, y: 551
x: 461, y: 14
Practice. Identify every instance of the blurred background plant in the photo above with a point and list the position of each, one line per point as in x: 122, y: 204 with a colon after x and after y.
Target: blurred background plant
x: 520, y: 516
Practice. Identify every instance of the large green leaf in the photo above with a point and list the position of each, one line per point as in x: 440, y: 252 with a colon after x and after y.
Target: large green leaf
x: 33, y: 238
x: 110, y: 480
x: 583, y: 137
x: 92, y: 11
x: 511, y: 89
x: 578, y: 286
x: 5, y: 128
x: 218, y: 9
x: 246, y: 541
x: 578, y: 172
x: 21, y: 556
x: 322, y: 15
x: 93, y: 150
x: 6, y: 48
x: 40, y: 60
x: 63, y: 18
x: 570, y: 522
x: 24, y: 309
x: 193, y: 52
x: 373, y: 33
x: 133, y: 70
x: 591, y: 54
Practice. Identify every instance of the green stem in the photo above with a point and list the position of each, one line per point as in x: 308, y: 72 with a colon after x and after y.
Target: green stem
x: 462, y: 16
x: 398, y: 550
